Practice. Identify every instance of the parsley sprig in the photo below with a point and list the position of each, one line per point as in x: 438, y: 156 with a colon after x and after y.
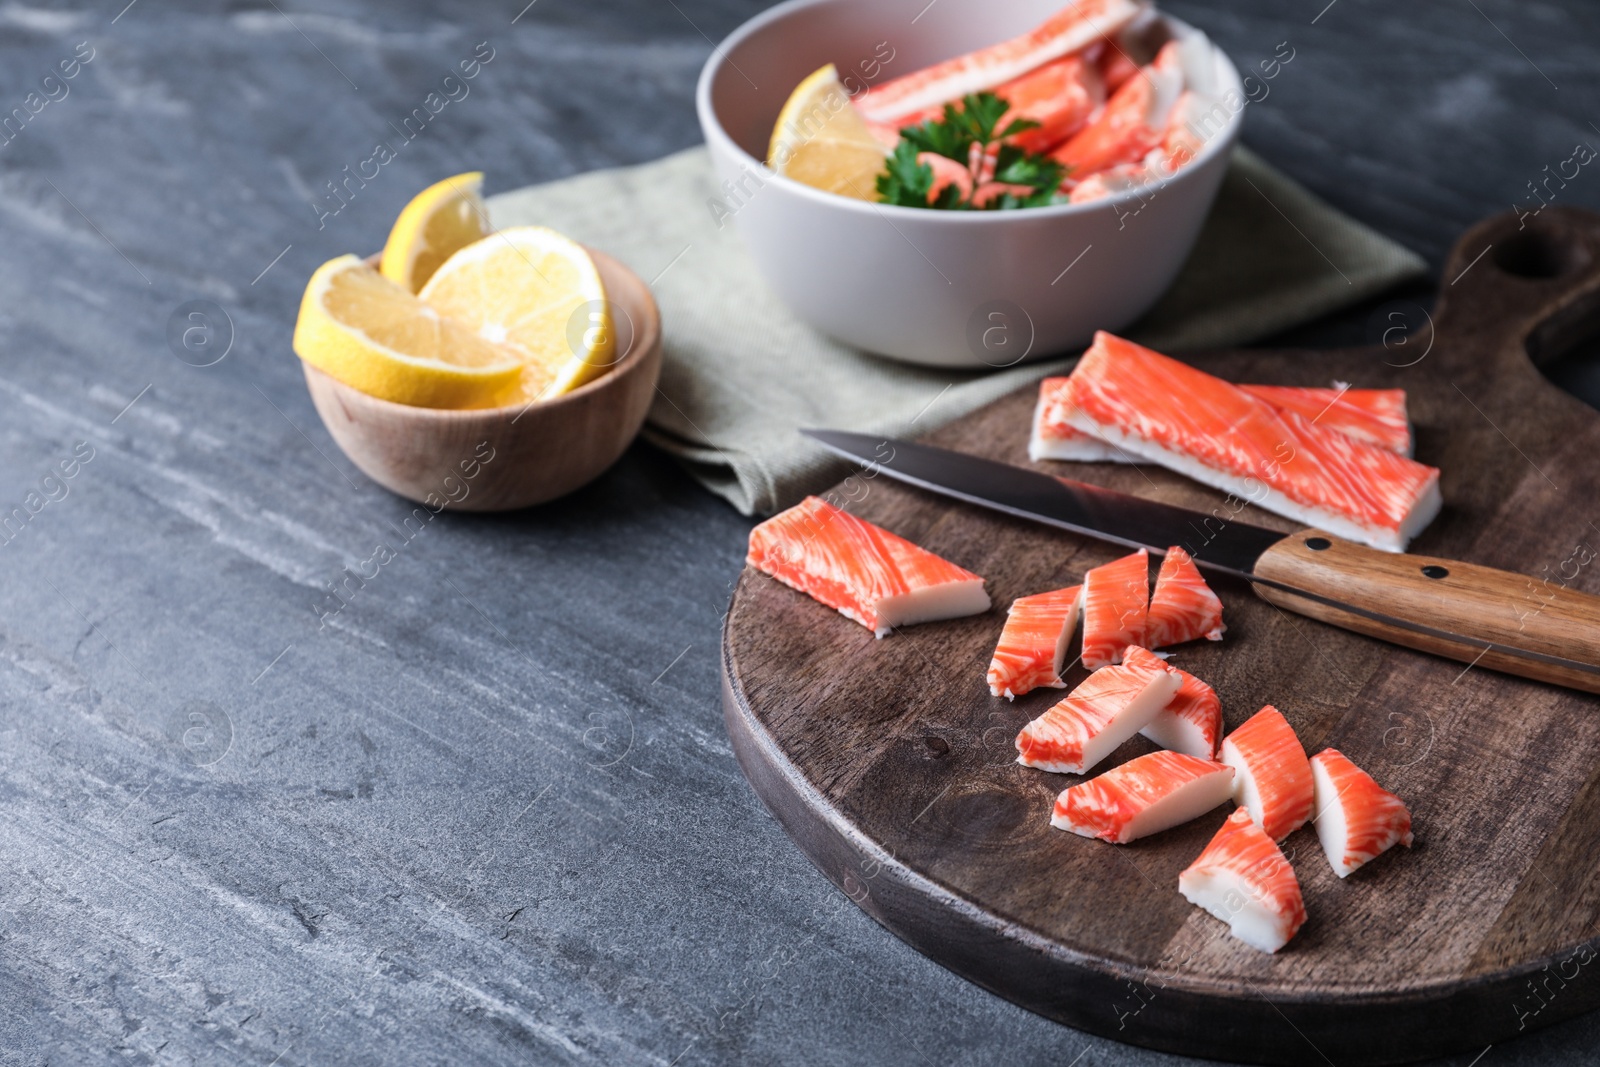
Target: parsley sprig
x: 909, y: 183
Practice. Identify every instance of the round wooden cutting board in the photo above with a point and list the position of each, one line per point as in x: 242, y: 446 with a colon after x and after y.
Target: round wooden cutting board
x: 893, y: 768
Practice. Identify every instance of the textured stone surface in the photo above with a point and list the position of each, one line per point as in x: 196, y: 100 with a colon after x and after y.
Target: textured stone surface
x: 488, y: 813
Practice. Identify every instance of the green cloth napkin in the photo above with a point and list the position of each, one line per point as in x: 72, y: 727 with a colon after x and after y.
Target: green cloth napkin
x: 741, y: 374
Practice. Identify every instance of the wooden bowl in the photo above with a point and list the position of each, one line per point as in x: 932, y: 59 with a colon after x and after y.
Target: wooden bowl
x: 497, y: 459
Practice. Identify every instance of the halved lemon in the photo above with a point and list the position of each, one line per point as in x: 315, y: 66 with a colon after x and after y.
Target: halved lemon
x: 440, y: 221
x: 820, y: 139
x: 363, y: 329
x: 534, y: 291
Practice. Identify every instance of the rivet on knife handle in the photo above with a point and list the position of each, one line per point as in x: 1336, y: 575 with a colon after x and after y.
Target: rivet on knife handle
x: 1496, y: 619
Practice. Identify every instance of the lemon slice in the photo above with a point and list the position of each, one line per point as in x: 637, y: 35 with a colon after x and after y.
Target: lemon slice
x: 366, y: 331
x: 442, y: 219
x: 532, y: 290
x: 820, y: 139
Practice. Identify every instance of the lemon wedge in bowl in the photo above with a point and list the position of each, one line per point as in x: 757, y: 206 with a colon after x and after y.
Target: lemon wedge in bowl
x: 531, y: 290
x: 821, y: 140
x: 361, y: 328
x: 438, y: 222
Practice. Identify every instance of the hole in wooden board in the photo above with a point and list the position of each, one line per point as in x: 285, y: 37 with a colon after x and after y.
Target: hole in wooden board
x: 1536, y: 254
x: 1318, y: 544
x: 1566, y: 349
x: 1433, y: 570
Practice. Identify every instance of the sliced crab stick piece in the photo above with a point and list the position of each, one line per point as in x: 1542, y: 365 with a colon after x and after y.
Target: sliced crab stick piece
x: 1110, y: 182
x: 1177, y: 145
x: 1073, y: 28
x: 1110, y: 706
x: 1170, y: 413
x: 1116, y: 66
x: 1034, y: 643
x: 1180, y: 141
x: 1115, y: 598
x: 1357, y: 819
x: 1376, y: 416
x: 1183, y: 607
x: 1055, y: 438
x: 1242, y: 878
x: 1133, y: 121
x: 1191, y: 722
x: 1144, y: 796
x: 1060, y: 96
x: 1273, y: 779
x: 863, y: 571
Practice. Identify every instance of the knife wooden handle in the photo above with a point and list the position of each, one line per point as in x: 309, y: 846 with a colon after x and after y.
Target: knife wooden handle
x: 1533, y: 627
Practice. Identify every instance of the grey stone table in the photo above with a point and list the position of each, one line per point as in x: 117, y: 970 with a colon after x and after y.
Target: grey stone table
x: 487, y: 813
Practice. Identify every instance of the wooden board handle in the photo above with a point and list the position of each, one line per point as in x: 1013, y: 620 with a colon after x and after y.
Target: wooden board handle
x: 1533, y: 627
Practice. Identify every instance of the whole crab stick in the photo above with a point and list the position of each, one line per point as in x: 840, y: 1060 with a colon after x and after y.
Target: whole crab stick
x: 1110, y: 706
x: 1191, y: 722
x: 1133, y: 122
x: 1168, y: 412
x: 1242, y: 878
x: 863, y: 571
x: 1033, y: 644
x: 1115, y: 598
x: 1144, y: 796
x: 1357, y: 819
x: 1273, y: 779
x: 1076, y: 26
x: 1376, y: 416
x: 1183, y: 607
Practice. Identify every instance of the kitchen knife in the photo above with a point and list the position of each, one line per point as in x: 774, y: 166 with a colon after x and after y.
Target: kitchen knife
x: 1481, y: 616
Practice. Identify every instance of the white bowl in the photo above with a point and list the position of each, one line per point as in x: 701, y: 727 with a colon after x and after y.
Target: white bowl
x: 943, y: 288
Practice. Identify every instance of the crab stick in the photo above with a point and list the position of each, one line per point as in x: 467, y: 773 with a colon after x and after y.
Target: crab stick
x: 1133, y: 121
x: 1376, y: 416
x: 1115, y: 598
x: 1180, y: 143
x: 1073, y: 28
x: 1033, y: 644
x: 1242, y: 878
x: 1060, y: 96
x: 1144, y: 796
x: 863, y: 571
x: 1183, y: 607
x: 1053, y: 437
x: 1191, y: 722
x: 1110, y: 706
x: 1273, y: 779
x: 1357, y: 819
x: 1111, y: 182
x: 1171, y: 413
x: 1116, y: 66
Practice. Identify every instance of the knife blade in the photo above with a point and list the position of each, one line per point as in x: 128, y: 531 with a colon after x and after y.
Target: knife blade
x: 1478, y: 615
